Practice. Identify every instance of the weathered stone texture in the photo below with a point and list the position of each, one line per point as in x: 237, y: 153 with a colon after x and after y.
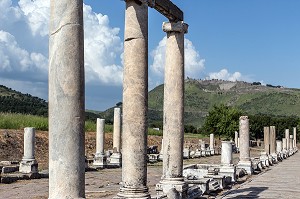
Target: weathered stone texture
x: 66, y: 100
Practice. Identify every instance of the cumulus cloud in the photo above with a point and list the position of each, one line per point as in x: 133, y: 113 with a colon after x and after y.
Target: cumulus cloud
x: 103, y: 47
x: 194, y: 65
x: 225, y: 75
x: 24, y: 45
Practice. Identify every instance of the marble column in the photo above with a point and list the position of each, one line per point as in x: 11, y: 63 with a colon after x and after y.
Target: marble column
x: 226, y: 154
x: 267, y: 139
x: 117, y: 130
x: 116, y: 157
x: 100, y: 158
x: 173, y: 110
x: 236, y: 136
x: 66, y: 100
x: 284, y: 145
x: 279, y: 146
x: 272, y: 140
x: 295, y: 137
x: 135, y: 102
x: 291, y: 142
x: 227, y: 168
x: 279, y: 151
x: 29, y: 163
x: 212, y: 143
x: 287, y: 137
x: 245, y: 162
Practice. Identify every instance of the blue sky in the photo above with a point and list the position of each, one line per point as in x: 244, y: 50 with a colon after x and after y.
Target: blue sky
x: 249, y: 40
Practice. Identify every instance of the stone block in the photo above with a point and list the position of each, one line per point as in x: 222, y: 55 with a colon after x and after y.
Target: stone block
x: 100, y: 162
x: 228, y: 171
x: 28, y: 166
x: 115, y: 160
x: 9, y: 169
x: 246, y: 165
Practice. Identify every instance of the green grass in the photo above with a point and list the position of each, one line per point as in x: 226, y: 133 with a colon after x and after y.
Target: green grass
x: 20, y: 121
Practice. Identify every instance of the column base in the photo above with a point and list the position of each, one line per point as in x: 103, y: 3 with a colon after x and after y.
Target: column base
x: 246, y: 165
x: 28, y: 166
x: 172, y: 188
x: 228, y: 171
x: 99, y: 161
x: 133, y: 193
x: 115, y: 160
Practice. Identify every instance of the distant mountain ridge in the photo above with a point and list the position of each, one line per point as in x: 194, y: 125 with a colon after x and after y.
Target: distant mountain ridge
x: 252, y: 98
x: 200, y: 97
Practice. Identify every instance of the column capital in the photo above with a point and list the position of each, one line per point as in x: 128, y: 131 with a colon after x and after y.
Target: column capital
x: 179, y: 26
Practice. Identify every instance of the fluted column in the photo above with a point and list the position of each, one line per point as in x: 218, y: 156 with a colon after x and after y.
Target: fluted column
x: 174, y: 106
x: 66, y: 100
x: 135, y: 102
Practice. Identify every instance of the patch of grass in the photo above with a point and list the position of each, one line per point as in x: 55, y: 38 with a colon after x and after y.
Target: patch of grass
x: 20, y: 121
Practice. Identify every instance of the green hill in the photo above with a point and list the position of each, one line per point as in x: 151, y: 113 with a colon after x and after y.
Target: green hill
x: 252, y: 98
x: 16, y: 102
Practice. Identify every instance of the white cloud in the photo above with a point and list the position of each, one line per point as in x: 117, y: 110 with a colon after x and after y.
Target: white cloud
x: 194, y: 65
x: 103, y: 47
x: 225, y: 75
x: 24, y: 44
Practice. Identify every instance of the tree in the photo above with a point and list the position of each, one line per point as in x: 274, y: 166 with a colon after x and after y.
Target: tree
x: 222, y: 120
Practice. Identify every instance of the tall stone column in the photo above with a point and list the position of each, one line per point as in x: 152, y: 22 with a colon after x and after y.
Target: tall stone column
x: 284, y: 146
x: 287, y: 137
x: 212, y: 143
x: 117, y: 130
x: 245, y: 162
x: 291, y: 142
x: 66, y: 100
x: 116, y: 157
x: 272, y: 140
x: 100, y: 158
x: 279, y: 146
x: 135, y: 102
x: 29, y: 163
x: 236, y: 137
x: 267, y: 139
x: 174, y: 109
x: 295, y: 137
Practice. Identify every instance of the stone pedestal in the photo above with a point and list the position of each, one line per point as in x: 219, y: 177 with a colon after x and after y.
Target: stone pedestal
x: 227, y: 168
x: 264, y: 158
x: 29, y: 163
x: 245, y: 161
x: 279, y: 149
x: 135, y: 102
x: 66, y: 100
x: 172, y: 179
x: 100, y: 157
